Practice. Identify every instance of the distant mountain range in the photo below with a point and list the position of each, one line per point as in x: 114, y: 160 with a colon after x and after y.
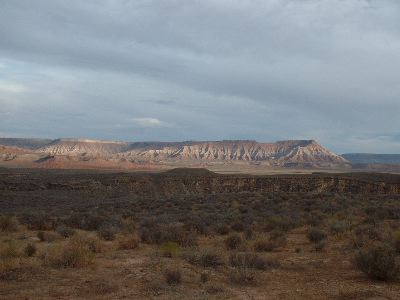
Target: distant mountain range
x: 81, y: 153
x: 372, y: 158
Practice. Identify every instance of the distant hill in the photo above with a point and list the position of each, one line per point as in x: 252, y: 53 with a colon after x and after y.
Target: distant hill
x: 64, y: 152
x: 24, y: 143
x: 371, y: 158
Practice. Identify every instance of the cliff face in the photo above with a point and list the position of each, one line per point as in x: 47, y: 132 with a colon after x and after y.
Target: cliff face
x: 294, y: 153
x: 285, y: 153
x: 75, y: 147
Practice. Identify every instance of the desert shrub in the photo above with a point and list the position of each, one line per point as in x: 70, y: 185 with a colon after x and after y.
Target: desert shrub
x: 204, y: 277
x: 366, y: 234
x: 249, y: 233
x: 75, y: 253
x: 378, y: 262
x: 102, y: 287
x: 8, y: 224
x: 370, y: 231
x: 238, y: 226
x: 156, y: 234
x: 93, y: 242
x: 205, y: 258
x: 278, y: 237
x: 128, y: 225
x: 7, y: 266
x: 337, y: 227
x: 214, y: 289
x: 47, y: 236
x: 179, y: 235
x: 128, y: 243
x: 173, y: 276
x: 170, y: 249
x: 242, y: 276
x: 315, y: 219
x: 319, y: 246
x: 196, y: 224
x: 396, y: 240
x: 107, y: 232
x: 30, y: 250
x: 264, y: 245
x: 279, y: 223
x: 65, y: 231
x: 152, y: 235
x: 233, y: 241
x: 10, y: 250
x: 222, y: 229
x: 250, y: 260
x: 38, y: 221
x: 316, y: 235
x: 92, y: 222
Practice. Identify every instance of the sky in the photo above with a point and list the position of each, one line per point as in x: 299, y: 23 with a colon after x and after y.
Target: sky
x: 178, y: 70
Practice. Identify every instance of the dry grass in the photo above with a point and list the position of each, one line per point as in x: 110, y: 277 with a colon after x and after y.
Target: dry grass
x: 128, y: 242
x: 75, y: 253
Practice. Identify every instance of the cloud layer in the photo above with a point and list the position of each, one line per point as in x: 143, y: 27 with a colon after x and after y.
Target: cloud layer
x: 180, y: 70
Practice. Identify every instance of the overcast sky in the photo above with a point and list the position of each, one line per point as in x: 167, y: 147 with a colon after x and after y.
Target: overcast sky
x: 203, y: 70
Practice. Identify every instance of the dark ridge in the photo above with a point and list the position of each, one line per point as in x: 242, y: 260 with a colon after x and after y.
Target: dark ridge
x: 189, y: 172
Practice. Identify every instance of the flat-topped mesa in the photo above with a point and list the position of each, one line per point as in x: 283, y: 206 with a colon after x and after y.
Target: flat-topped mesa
x: 282, y: 153
x: 290, y: 153
x: 83, y: 147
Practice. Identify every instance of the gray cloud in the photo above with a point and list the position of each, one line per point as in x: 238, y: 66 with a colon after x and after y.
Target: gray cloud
x: 261, y: 70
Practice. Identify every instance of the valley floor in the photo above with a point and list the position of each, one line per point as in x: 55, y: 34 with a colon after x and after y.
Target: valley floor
x: 192, y: 234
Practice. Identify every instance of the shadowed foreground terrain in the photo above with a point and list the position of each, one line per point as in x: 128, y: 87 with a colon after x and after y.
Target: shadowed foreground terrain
x: 195, y: 234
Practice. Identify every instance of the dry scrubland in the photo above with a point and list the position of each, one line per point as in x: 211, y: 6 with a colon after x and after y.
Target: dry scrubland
x: 99, y: 241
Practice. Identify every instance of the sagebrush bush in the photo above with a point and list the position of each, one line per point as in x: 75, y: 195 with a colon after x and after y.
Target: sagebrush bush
x: 337, y: 227
x: 233, y: 241
x: 8, y: 224
x: 206, y: 258
x: 278, y: 223
x: 7, y: 266
x: 102, y: 287
x: 65, y: 231
x: 128, y: 243
x: 152, y: 233
x: 173, y: 276
x: 38, y: 221
x: 107, y: 232
x: 30, y: 250
x: 248, y: 260
x: 75, y: 253
x: 10, y: 250
x: 222, y: 229
x: 48, y: 236
x: 242, y: 276
x: 319, y: 246
x: 264, y: 245
x: 128, y: 225
x: 316, y: 235
x: 92, y: 241
x: 249, y: 234
x: 214, y: 289
x: 204, y: 277
x: 378, y: 262
x: 396, y: 240
x: 238, y: 226
x: 170, y: 249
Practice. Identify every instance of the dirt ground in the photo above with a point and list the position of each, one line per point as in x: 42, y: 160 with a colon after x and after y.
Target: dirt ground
x: 138, y: 274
